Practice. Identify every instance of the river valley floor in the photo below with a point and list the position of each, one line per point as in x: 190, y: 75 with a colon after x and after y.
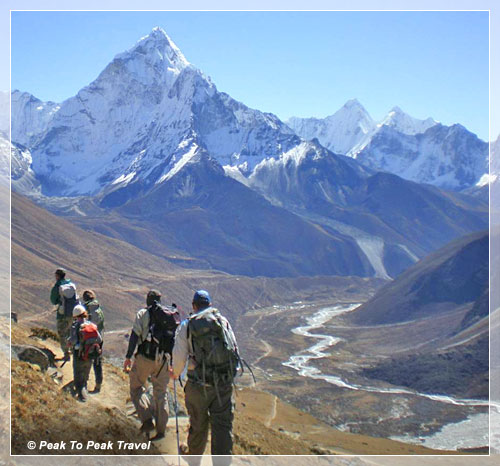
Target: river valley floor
x: 307, y: 355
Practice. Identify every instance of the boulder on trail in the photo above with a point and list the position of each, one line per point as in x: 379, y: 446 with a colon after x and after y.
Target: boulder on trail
x: 42, y: 357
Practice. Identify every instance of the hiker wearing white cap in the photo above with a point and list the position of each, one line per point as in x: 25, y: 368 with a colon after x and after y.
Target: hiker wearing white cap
x: 85, y: 341
x: 96, y: 316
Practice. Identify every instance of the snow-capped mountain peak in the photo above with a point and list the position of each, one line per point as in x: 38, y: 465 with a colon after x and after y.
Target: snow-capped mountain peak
x: 339, y: 132
x: 406, y: 124
x: 353, y: 113
x: 354, y: 104
x: 125, y: 128
x: 159, y: 46
x: 153, y: 60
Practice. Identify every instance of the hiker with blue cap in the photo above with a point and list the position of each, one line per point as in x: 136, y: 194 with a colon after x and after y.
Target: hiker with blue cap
x: 206, y: 343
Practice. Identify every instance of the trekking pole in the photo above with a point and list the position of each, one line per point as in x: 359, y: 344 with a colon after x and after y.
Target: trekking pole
x: 162, y: 365
x: 177, y: 423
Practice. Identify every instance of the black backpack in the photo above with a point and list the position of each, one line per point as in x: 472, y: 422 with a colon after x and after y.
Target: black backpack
x: 163, y: 323
x: 215, y: 352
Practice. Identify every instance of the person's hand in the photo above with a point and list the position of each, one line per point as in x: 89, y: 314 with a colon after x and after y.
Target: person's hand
x: 171, y: 373
x: 127, y: 365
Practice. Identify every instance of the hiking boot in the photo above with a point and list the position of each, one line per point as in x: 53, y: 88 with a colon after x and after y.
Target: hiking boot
x: 158, y: 436
x: 97, y: 388
x: 147, y: 426
x: 83, y: 395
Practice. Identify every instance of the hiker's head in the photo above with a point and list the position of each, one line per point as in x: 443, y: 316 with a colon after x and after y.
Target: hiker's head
x: 88, y: 295
x: 79, y: 312
x: 153, y: 296
x: 201, y: 300
x: 60, y: 274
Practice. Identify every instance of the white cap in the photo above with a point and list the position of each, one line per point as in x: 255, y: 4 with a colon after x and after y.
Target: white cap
x: 78, y: 310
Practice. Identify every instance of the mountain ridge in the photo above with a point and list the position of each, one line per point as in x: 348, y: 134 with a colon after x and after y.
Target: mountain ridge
x: 403, y: 145
x: 142, y: 124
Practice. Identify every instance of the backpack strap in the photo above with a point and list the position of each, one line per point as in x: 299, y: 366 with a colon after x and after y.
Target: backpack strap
x: 151, y: 319
x: 189, y: 338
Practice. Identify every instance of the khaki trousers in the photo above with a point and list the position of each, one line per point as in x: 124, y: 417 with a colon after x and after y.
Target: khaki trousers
x: 157, y: 407
x: 63, y: 329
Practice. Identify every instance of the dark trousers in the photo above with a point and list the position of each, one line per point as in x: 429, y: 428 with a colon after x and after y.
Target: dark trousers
x: 81, y: 371
x: 98, y: 369
x: 206, y: 409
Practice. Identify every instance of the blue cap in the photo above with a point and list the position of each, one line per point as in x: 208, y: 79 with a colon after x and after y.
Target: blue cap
x: 201, y: 297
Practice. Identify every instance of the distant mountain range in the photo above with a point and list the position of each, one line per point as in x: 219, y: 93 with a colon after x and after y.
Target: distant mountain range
x: 152, y: 146
x: 351, y: 127
x: 425, y: 151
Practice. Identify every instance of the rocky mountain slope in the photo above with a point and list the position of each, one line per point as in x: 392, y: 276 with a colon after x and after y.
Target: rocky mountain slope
x: 121, y: 274
x: 448, y: 291
x: 392, y: 220
x: 235, y: 229
x: 449, y: 157
x: 454, y: 275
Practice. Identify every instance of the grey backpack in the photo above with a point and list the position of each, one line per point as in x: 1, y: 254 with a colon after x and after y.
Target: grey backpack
x: 69, y: 298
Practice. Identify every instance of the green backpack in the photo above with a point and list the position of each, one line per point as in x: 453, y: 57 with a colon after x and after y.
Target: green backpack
x: 95, y: 313
x: 214, y: 350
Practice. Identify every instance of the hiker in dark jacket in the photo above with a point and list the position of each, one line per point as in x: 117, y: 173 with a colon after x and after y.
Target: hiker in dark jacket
x: 96, y: 316
x: 208, y: 395
x: 82, y: 360
x: 152, y: 359
x: 64, y: 317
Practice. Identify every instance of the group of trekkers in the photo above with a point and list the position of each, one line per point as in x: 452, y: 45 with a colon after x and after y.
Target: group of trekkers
x: 80, y: 326
x: 161, y: 347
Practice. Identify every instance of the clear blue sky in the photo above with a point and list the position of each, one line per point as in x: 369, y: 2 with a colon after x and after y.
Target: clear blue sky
x: 303, y: 64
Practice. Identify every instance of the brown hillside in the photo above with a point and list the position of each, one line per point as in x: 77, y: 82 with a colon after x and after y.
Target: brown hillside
x: 263, y: 425
x: 121, y: 274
